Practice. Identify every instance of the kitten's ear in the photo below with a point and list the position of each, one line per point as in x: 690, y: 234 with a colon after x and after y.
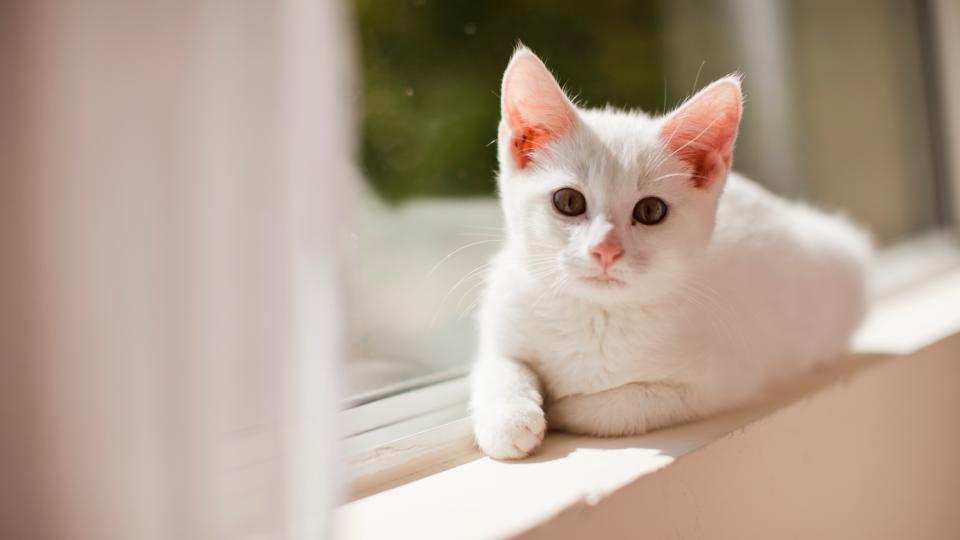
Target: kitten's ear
x: 534, y: 110
x: 703, y: 130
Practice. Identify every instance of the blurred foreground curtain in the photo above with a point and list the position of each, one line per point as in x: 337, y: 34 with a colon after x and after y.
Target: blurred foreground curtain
x: 169, y: 320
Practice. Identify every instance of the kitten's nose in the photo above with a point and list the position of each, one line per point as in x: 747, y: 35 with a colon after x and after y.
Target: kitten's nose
x: 608, y: 251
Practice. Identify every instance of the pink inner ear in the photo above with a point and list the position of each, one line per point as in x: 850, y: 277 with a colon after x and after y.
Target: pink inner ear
x: 534, y: 106
x: 702, y: 131
x: 525, y: 141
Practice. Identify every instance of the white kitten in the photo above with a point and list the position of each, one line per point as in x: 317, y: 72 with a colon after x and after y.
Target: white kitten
x: 642, y: 283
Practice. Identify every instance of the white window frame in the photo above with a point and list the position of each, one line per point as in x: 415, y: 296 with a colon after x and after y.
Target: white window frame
x: 411, y: 434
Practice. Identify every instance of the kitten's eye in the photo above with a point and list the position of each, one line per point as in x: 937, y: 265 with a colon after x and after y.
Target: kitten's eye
x: 569, y: 202
x: 650, y: 210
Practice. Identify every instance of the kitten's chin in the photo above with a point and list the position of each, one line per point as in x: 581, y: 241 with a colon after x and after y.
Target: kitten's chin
x: 614, y: 290
x: 600, y: 289
x: 603, y: 281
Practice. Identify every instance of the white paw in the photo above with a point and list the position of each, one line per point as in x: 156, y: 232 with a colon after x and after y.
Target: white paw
x: 512, y: 429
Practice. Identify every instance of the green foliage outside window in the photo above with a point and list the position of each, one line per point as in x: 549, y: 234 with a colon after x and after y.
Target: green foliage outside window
x: 431, y: 71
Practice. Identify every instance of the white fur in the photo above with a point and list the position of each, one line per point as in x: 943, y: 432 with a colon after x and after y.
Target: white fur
x: 708, y: 315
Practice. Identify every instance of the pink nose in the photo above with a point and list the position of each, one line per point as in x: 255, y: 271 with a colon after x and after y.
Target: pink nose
x: 608, y: 251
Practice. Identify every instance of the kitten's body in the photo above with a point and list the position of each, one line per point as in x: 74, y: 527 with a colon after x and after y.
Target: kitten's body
x: 704, y: 318
x: 749, y: 314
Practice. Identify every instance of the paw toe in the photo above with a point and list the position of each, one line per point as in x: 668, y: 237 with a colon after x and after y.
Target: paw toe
x: 514, y: 434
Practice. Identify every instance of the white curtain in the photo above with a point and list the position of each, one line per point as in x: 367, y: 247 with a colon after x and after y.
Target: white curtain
x: 171, y: 333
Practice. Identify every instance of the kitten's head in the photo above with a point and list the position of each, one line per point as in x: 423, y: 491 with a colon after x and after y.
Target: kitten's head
x: 608, y: 205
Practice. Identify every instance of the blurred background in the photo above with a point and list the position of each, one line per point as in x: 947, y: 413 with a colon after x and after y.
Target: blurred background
x: 841, y: 111
x: 230, y: 231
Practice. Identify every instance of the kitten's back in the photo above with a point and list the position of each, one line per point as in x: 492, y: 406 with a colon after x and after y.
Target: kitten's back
x: 795, y: 274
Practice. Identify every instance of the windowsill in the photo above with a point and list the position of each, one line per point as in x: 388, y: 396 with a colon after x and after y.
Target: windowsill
x: 489, y: 498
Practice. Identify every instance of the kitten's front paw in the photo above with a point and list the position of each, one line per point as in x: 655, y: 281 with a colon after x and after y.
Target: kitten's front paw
x: 513, y: 430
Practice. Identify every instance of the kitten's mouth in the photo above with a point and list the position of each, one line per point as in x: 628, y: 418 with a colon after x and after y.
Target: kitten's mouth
x: 604, y: 280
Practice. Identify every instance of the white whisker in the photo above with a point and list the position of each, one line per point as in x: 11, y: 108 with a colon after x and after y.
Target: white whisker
x: 467, y: 292
x: 458, y: 250
x: 473, y: 273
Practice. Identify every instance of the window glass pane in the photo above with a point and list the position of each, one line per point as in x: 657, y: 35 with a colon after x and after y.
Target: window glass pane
x: 837, y: 114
